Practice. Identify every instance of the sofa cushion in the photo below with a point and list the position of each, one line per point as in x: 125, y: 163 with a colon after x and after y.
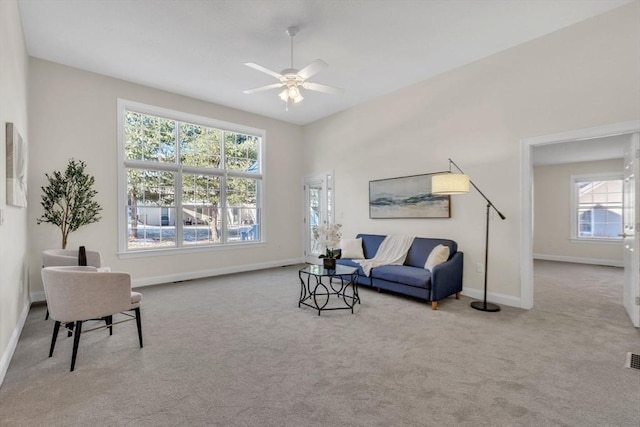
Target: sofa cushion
x: 370, y: 244
x: 352, y: 248
x: 422, y: 247
x: 412, y: 276
x: 438, y: 255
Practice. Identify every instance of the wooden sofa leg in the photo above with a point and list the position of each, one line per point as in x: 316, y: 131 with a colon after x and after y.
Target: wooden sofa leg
x: 434, y: 305
x: 457, y: 295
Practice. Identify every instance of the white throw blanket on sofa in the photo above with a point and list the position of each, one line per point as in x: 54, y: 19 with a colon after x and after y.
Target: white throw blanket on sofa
x: 392, y: 251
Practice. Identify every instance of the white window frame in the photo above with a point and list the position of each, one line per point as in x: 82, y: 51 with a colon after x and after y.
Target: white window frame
x: 124, y: 105
x: 573, y: 217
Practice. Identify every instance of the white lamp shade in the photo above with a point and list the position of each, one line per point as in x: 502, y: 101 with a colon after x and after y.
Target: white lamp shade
x: 291, y: 93
x: 450, y: 183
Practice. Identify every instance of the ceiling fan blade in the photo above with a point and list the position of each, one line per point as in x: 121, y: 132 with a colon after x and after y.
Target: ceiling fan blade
x: 322, y: 88
x: 264, y: 70
x: 260, y: 89
x: 313, y: 68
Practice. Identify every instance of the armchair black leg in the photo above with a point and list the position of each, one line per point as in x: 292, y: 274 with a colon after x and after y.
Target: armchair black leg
x: 139, y: 324
x: 56, y: 328
x: 109, y: 321
x: 76, y: 341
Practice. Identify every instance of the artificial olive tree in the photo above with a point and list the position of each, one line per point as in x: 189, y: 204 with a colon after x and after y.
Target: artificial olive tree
x: 68, y: 199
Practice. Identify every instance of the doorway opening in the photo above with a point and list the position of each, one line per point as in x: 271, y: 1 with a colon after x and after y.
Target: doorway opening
x: 583, y: 136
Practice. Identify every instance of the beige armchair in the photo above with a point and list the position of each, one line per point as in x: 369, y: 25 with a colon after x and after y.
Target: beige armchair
x: 62, y: 257
x: 76, y: 294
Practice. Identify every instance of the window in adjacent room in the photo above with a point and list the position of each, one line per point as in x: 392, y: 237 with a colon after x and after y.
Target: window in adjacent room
x: 596, y: 207
x: 187, y: 181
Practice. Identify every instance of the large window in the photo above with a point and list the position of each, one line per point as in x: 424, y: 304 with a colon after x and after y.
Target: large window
x: 597, y: 207
x: 187, y: 181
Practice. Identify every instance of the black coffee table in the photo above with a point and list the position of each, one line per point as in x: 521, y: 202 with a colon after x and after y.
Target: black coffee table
x: 341, y: 284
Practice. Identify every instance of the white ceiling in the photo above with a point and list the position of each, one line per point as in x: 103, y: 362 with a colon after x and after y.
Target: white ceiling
x: 198, y: 47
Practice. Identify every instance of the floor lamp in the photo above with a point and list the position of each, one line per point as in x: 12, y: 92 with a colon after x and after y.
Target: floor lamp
x: 458, y: 183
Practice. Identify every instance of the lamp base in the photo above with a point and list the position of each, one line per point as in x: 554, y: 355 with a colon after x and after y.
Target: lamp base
x: 482, y: 306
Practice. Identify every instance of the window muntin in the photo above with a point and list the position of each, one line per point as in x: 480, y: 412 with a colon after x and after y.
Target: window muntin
x: 241, y: 152
x: 200, y: 146
x: 598, y: 207
x: 201, y: 209
x: 242, y: 199
x: 149, y: 138
x: 150, y: 209
x: 189, y: 181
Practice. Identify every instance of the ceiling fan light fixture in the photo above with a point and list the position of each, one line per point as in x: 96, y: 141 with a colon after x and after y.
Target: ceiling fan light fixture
x: 291, y: 93
x: 294, y: 92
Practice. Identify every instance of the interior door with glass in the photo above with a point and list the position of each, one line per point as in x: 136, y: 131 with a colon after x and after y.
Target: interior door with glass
x: 318, y: 197
x: 630, y: 231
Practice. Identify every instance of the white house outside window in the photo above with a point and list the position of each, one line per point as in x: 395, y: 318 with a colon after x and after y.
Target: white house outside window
x: 187, y: 181
x: 597, y: 207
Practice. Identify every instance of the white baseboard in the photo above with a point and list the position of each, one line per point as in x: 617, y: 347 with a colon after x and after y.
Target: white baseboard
x: 580, y: 260
x: 156, y: 280
x: 493, y: 297
x: 38, y: 297
x: 13, y: 342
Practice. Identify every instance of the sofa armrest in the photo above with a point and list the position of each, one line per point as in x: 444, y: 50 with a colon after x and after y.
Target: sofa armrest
x: 446, y: 278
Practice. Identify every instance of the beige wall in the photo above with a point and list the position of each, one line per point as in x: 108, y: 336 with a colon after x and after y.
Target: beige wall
x: 13, y: 232
x: 73, y: 114
x: 583, y: 76
x: 552, y: 210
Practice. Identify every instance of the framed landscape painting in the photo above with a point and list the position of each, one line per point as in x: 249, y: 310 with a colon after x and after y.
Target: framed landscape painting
x: 407, y: 197
x: 16, y: 168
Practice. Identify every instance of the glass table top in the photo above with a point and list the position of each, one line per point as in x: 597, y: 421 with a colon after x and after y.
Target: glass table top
x: 318, y: 270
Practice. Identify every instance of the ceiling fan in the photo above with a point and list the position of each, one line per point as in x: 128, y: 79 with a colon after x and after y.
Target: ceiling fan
x: 292, y: 79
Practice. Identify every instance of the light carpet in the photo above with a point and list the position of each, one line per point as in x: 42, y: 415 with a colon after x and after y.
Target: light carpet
x: 237, y: 351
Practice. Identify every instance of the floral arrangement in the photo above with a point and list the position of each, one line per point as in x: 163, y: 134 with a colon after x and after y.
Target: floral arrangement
x: 328, y: 236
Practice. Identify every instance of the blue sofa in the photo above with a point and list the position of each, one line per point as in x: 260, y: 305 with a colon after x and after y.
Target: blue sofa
x: 412, y: 278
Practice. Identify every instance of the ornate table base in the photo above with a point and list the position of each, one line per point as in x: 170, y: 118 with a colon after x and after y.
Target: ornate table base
x: 316, y: 294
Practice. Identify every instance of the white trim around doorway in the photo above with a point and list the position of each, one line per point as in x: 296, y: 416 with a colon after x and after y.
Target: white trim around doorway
x: 526, y: 192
